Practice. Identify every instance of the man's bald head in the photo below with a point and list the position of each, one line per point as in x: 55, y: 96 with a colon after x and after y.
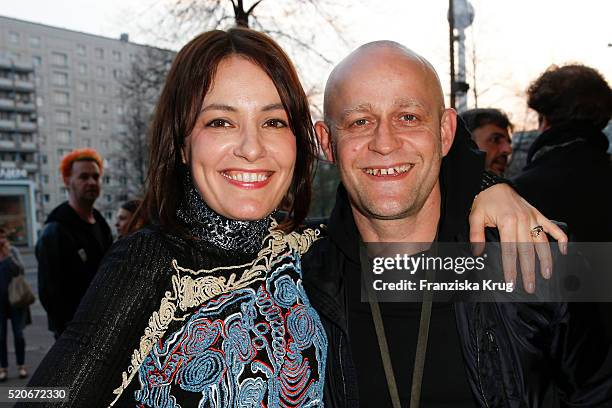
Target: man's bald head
x: 379, y: 53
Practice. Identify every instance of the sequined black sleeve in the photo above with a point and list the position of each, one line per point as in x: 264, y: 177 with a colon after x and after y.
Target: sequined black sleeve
x: 98, y: 344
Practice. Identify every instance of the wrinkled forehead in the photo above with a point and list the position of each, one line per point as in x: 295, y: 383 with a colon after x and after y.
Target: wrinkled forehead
x: 383, y: 77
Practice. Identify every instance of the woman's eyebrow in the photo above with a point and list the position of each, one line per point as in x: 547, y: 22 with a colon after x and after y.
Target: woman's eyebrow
x: 218, y: 106
x: 272, y: 107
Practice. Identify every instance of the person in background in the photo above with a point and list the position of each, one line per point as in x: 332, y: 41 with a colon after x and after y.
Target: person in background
x: 568, y: 172
x: 74, y: 240
x: 11, y: 265
x: 490, y: 129
x: 123, y: 223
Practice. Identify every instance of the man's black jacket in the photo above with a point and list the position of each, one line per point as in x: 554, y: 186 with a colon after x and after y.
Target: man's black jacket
x: 512, y: 351
x: 68, y: 256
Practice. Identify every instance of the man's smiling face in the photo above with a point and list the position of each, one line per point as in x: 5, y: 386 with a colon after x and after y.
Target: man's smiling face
x: 385, y: 120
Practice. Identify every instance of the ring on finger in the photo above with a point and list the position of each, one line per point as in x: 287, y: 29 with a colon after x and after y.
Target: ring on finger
x: 536, y: 231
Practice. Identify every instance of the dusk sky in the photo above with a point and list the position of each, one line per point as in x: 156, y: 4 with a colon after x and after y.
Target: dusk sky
x: 515, y: 40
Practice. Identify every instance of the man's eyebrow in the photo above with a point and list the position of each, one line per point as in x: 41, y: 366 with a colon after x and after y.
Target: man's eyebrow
x: 362, y: 107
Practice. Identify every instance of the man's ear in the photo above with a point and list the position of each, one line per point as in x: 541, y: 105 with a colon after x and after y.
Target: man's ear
x: 325, y: 140
x: 448, y: 126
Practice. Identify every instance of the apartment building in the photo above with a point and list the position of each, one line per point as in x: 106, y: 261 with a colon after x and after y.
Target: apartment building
x: 74, y: 99
x: 19, y: 168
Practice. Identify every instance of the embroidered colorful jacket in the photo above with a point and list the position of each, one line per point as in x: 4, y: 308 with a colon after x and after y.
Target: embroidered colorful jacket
x: 170, y: 323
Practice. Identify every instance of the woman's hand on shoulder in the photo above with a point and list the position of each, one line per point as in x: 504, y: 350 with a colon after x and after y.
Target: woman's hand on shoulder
x: 522, y: 230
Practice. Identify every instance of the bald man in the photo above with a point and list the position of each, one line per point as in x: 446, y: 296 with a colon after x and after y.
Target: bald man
x: 409, y: 174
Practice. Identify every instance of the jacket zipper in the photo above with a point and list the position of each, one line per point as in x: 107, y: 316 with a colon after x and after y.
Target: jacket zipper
x: 484, y: 397
x: 342, y: 371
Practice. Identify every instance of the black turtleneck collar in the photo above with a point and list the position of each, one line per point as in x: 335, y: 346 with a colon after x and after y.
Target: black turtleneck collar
x: 206, y: 225
x: 460, y: 178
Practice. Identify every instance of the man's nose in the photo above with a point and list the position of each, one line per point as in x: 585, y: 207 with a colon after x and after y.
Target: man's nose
x: 506, y: 147
x: 385, y: 141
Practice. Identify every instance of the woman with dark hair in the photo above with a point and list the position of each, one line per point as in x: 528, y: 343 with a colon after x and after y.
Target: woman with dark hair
x: 205, y: 307
x: 125, y: 223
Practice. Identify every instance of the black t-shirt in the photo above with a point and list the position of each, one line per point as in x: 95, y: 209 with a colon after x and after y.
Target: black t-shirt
x: 444, y: 378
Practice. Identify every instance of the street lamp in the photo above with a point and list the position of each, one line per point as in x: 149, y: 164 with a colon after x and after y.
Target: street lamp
x: 460, y: 17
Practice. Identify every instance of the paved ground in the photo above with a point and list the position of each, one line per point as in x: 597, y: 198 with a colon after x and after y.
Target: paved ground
x: 38, y: 338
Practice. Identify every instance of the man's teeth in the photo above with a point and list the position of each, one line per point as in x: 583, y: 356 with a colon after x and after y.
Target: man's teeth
x: 391, y: 171
x: 247, y: 177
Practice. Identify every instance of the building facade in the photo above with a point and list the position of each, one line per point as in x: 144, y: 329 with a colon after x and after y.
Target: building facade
x: 19, y: 165
x: 60, y: 90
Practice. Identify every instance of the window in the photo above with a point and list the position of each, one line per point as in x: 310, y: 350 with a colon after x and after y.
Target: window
x: 102, y: 127
x: 117, y: 74
x: 116, y: 56
x: 60, y: 98
x: 119, y: 109
x: 14, y: 37
x: 27, y: 138
x: 108, y: 198
x: 35, y: 41
x: 99, y: 53
x: 39, y: 101
x: 62, y: 117
x: 43, y: 159
x: 44, y: 178
x: 36, y: 60
x: 85, y: 106
x: 60, y: 79
x: 86, y: 142
x: 64, y: 136
x: 104, y: 144
x: 106, y: 179
x: 80, y: 50
x: 46, y: 198
x: 6, y: 137
x: 82, y: 67
x: 123, y: 180
x: 82, y: 86
x: 103, y: 109
x: 59, y: 58
x: 85, y: 124
x: 100, y: 71
x: 101, y: 89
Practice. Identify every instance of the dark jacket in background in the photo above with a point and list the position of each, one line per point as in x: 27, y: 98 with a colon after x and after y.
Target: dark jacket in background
x: 68, y: 252
x: 568, y: 178
x: 512, y: 351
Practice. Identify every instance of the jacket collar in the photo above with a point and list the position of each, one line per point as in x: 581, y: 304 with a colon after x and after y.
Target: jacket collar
x: 565, y: 134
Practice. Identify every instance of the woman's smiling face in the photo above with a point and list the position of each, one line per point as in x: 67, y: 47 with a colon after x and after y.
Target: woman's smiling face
x: 241, y: 151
